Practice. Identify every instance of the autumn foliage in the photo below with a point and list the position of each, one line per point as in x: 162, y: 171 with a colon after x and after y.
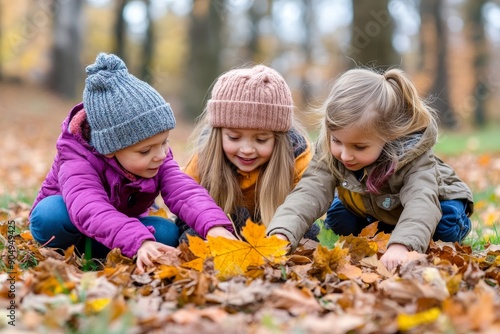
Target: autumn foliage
x: 252, y: 286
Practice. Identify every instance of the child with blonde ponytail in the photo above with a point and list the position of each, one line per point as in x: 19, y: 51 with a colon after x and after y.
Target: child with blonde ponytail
x: 375, y: 162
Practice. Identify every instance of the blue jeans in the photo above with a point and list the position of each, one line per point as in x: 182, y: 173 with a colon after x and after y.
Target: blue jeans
x: 50, y: 219
x: 453, y: 226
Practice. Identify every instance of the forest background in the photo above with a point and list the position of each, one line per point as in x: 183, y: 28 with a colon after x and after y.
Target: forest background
x: 180, y: 47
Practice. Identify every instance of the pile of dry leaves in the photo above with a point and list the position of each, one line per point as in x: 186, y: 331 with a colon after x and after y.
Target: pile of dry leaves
x: 224, y: 286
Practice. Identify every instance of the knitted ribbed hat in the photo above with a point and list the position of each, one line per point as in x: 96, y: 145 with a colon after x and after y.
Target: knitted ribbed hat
x: 252, y: 98
x: 121, y: 109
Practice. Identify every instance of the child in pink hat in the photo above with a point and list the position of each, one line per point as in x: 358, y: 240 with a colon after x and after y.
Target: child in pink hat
x: 249, y: 149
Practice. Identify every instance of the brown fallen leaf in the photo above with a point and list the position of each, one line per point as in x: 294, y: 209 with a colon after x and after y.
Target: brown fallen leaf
x: 296, y: 301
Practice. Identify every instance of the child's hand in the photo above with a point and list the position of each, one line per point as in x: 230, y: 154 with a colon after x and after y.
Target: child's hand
x: 219, y: 231
x: 150, y: 251
x: 394, y: 256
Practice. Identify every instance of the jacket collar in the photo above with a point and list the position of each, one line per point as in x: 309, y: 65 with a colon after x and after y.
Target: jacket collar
x: 79, y: 127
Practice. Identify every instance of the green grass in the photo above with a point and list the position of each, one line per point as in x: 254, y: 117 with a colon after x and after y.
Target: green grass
x: 482, y: 235
x: 24, y: 196
x: 475, y: 141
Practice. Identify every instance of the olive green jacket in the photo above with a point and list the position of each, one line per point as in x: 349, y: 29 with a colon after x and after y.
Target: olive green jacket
x: 409, y: 200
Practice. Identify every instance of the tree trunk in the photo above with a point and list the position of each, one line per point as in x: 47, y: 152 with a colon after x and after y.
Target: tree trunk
x: 68, y: 37
x: 308, y: 18
x: 148, y: 47
x: 480, y: 59
x: 203, y: 65
x: 253, y: 44
x: 431, y: 14
x: 120, y: 30
x: 372, y: 32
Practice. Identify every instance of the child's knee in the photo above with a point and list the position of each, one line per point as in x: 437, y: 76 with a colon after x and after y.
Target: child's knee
x: 166, y: 231
x: 50, y: 224
x: 454, y: 224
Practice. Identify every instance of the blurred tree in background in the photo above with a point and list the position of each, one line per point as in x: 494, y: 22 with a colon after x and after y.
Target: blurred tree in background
x: 479, y: 44
x: 436, y: 40
x: 67, y: 45
x: 205, y: 46
x: 372, y: 32
x: 182, y: 46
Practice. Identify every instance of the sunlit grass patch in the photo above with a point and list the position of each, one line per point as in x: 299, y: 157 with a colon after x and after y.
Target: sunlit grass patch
x: 9, y: 197
x: 485, y: 219
x: 474, y: 141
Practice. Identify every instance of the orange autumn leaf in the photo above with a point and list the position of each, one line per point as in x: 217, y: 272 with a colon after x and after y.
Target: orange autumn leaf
x: 484, y: 160
x: 53, y: 285
x: 326, y: 261
x: 26, y: 235
x: 233, y: 257
x: 359, y: 247
x: 159, y: 213
x: 166, y: 272
x: 370, y: 230
x: 370, y: 277
x: 381, y: 240
x: 348, y: 271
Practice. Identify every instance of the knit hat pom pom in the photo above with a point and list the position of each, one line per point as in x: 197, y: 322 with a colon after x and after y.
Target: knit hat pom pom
x: 105, y: 66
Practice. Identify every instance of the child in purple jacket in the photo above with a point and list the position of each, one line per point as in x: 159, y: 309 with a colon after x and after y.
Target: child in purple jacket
x: 112, y: 161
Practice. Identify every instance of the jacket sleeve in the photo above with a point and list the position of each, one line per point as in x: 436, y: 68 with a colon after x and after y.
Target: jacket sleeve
x: 188, y: 200
x: 90, y: 209
x: 308, y: 201
x: 422, y: 210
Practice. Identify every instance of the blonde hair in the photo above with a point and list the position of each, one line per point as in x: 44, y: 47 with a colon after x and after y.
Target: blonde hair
x: 218, y: 175
x: 387, y: 104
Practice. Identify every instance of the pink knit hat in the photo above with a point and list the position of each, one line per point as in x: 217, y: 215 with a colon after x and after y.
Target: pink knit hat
x: 251, y: 98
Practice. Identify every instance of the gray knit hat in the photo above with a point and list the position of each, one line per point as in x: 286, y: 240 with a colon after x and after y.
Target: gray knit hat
x: 121, y: 109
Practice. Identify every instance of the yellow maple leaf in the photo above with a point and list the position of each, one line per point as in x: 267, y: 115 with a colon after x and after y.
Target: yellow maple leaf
x: 233, y: 257
x: 199, y: 248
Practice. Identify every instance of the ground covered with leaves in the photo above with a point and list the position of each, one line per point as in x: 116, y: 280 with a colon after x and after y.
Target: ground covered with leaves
x: 223, y: 286
x: 252, y: 286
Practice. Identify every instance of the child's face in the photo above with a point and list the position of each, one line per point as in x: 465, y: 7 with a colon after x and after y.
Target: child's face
x: 144, y: 158
x: 247, y: 149
x: 355, y: 148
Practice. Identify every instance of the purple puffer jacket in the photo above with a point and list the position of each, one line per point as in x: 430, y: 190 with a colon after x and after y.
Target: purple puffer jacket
x: 104, y: 201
